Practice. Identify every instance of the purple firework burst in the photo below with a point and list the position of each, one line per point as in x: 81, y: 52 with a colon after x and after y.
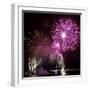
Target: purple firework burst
x: 65, y: 34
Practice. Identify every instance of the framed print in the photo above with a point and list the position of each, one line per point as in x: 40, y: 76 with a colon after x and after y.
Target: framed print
x: 47, y: 44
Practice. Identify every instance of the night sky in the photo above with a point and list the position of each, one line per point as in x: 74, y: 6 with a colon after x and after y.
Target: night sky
x: 43, y: 22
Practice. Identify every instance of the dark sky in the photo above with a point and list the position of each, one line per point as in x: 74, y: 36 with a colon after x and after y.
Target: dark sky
x: 43, y: 22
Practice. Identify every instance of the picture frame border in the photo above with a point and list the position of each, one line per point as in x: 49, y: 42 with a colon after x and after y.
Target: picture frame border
x: 16, y: 47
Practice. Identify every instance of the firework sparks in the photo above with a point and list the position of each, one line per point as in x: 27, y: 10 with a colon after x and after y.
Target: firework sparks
x: 67, y: 33
x: 38, y: 44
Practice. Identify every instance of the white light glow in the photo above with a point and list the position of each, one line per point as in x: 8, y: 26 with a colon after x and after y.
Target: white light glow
x: 63, y: 35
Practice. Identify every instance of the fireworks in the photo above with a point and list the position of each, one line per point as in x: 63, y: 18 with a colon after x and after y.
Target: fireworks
x: 38, y: 44
x: 63, y: 35
x: 66, y: 33
x: 51, y: 44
